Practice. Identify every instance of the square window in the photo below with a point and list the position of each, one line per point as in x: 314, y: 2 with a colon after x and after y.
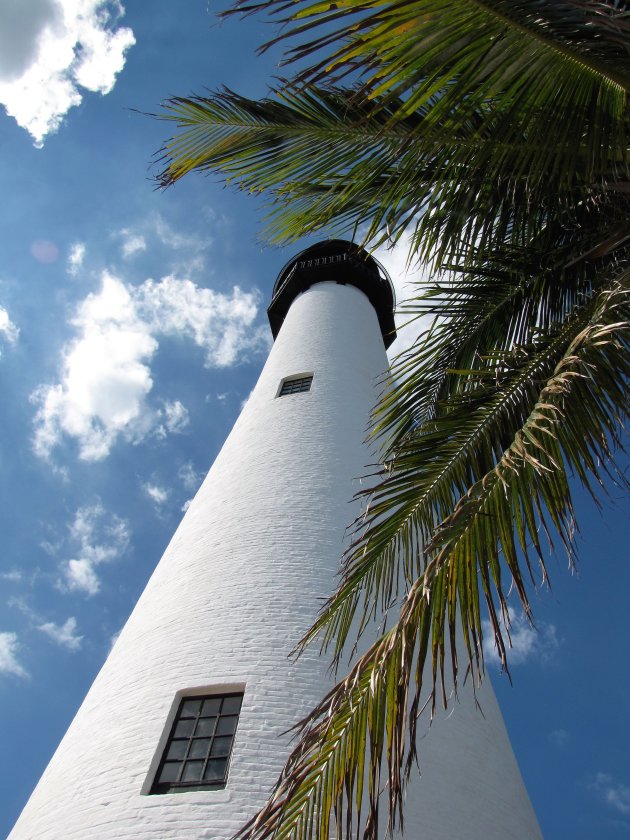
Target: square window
x: 197, y: 753
x: 295, y: 385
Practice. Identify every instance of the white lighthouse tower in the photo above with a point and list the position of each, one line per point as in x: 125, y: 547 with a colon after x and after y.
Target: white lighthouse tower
x: 180, y: 736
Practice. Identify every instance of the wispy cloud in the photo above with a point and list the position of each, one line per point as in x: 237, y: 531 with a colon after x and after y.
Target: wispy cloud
x: 615, y: 794
x: 8, y: 330
x: 157, y: 494
x: 174, y: 419
x: 189, y: 477
x: 13, y: 575
x: 132, y: 243
x: 9, y: 663
x: 105, y: 371
x: 51, y: 51
x: 526, y: 643
x: 177, y: 240
x: 559, y: 737
x: 75, y: 258
x: 95, y: 538
x: 65, y: 635
x: 188, y: 252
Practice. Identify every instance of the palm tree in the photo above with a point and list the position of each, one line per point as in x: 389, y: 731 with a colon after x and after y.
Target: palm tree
x: 495, y: 134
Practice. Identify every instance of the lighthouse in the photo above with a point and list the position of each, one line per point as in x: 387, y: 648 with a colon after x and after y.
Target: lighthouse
x: 183, y: 732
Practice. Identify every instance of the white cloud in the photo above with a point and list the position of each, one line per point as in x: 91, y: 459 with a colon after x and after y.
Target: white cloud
x: 8, y: 656
x: 105, y: 374
x: 75, y: 258
x: 105, y: 377
x: 14, y: 575
x: 615, y: 794
x: 132, y: 243
x: 175, y: 417
x: 190, y: 478
x: 97, y: 539
x: 156, y: 493
x: 524, y: 643
x: 50, y: 49
x: 8, y: 329
x: 221, y: 324
x: 64, y: 635
x: 80, y: 576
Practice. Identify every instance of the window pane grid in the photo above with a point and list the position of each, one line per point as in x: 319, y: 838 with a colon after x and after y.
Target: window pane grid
x: 295, y: 386
x: 199, y: 746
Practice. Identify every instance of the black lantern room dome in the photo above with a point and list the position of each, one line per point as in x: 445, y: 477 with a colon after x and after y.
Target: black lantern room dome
x: 337, y: 261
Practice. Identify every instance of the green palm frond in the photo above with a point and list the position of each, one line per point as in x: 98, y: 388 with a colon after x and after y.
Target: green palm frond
x: 469, y: 124
x: 595, y: 31
x: 433, y: 465
x: 570, y: 56
x: 392, y: 176
x: 361, y: 736
x: 263, y: 143
x: 498, y: 303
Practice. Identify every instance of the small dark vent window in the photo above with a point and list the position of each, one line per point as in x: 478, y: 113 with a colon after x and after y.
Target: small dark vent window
x: 295, y: 385
x: 197, y: 753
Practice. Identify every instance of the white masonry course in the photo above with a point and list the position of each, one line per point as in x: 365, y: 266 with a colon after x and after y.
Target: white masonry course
x: 238, y: 585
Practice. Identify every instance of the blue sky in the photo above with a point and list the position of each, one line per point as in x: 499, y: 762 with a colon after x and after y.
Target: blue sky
x: 132, y: 327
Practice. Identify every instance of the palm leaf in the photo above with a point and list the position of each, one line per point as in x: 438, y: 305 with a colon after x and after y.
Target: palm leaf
x: 433, y: 463
x: 392, y: 175
x: 571, y: 56
x: 498, y: 304
x: 370, y: 718
x: 399, y: 41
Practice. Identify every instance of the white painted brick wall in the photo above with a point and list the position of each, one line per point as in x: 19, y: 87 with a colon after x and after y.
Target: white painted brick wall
x: 237, y: 586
